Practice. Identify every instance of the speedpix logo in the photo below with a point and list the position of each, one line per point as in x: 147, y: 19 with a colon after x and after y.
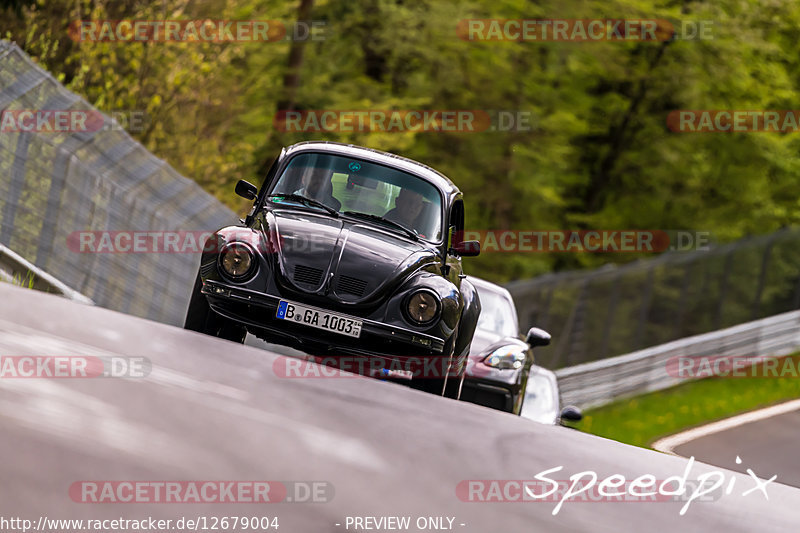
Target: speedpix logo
x: 587, y: 486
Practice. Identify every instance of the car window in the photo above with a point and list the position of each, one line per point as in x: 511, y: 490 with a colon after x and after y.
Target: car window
x: 496, y: 315
x: 348, y: 184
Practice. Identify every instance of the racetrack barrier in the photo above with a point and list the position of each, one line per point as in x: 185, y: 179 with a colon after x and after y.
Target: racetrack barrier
x: 617, y: 310
x: 56, y: 181
x: 17, y: 270
x: 600, y: 382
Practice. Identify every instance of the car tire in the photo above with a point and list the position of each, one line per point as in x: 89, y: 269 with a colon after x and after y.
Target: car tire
x: 201, y: 318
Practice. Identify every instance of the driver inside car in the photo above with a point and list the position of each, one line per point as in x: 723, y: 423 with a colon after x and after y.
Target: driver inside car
x: 316, y: 185
x: 407, y: 209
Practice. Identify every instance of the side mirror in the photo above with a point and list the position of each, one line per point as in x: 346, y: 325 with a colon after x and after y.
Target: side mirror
x: 537, y: 337
x: 571, y: 414
x: 466, y: 248
x: 245, y: 189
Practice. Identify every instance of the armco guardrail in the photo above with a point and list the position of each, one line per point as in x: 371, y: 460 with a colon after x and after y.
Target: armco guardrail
x: 17, y: 270
x: 616, y: 310
x: 56, y: 184
x: 599, y: 382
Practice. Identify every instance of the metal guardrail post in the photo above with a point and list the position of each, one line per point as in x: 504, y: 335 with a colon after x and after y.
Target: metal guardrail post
x: 609, y: 322
x: 645, y: 307
x: 762, y: 275
x: 723, y: 288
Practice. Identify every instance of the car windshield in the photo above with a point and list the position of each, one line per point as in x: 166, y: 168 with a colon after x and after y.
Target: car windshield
x: 497, y: 315
x: 350, y: 185
x: 541, y: 403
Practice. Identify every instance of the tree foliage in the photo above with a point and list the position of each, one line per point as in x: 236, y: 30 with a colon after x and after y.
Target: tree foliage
x: 599, y: 154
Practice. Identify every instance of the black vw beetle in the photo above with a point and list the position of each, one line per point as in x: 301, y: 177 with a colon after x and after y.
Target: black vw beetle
x: 347, y: 251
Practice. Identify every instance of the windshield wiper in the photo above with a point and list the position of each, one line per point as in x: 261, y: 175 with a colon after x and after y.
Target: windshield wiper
x: 377, y: 218
x: 306, y: 201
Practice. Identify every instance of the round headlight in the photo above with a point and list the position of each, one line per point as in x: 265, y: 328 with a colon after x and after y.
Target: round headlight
x: 236, y: 260
x: 423, y: 307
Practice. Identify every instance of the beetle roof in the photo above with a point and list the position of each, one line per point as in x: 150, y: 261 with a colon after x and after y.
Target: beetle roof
x: 425, y: 172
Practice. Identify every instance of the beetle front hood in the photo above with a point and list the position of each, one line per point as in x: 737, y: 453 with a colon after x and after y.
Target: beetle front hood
x: 340, y: 258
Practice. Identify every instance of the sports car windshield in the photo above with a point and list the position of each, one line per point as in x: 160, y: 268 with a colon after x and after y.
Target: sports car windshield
x: 496, y: 314
x: 358, y: 187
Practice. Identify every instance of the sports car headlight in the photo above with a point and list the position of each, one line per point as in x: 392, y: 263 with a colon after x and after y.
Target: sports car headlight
x: 422, y: 307
x: 236, y: 260
x: 506, y: 357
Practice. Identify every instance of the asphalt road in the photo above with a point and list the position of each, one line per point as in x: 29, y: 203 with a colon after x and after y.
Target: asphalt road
x: 212, y: 410
x: 768, y: 447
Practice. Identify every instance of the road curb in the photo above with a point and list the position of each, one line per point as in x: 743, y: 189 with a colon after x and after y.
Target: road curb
x: 668, y: 444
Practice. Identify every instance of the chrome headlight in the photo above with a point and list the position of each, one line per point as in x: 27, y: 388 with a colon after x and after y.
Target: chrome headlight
x: 236, y: 260
x: 506, y: 358
x: 422, y: 307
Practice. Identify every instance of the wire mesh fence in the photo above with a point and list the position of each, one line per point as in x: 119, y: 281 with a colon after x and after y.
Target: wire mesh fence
x: 54, y: 184
x: 617, y: 310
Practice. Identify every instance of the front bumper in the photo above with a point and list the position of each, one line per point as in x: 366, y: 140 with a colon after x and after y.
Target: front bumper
x: 489, y: 394
x: 491, y: 387
x: 258, y: 310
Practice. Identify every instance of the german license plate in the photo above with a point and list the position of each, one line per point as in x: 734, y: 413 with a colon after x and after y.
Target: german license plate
x: 384, y: 373
x: 317, y: 318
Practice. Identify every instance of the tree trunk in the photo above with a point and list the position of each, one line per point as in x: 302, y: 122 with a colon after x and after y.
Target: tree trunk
x: 291, y: 80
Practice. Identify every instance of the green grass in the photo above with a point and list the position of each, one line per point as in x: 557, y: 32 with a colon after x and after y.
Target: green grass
x: 643, y: 419
x: 26, y: 281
